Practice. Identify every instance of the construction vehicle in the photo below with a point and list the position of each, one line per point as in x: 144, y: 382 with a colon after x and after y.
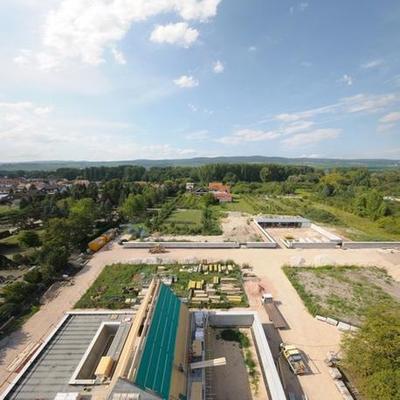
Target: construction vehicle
x: 294, y: 358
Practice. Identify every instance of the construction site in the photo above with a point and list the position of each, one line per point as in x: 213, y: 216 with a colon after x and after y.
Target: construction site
x: 160, y: 351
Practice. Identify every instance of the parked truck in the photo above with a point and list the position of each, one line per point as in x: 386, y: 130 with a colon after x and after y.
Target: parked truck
x: 294, y: 358
x: 274, y: 314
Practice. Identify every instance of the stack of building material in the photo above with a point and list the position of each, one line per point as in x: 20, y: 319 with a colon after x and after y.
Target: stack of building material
x: 234, y: 299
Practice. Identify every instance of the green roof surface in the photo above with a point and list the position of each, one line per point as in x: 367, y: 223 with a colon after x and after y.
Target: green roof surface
x: 156, y: 364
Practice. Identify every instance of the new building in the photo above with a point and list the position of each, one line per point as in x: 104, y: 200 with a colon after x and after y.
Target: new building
x: 155, y: 353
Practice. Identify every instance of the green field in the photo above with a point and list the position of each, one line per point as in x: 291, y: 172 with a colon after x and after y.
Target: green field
x: 342, y: 292
x: 185, y: 217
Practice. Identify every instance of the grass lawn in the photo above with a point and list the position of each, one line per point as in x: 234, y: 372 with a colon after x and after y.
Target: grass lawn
x: 191, y: 217
x: 342, y: 292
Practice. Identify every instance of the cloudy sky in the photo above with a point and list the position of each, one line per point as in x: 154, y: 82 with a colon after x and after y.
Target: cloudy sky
x: 126, y: 79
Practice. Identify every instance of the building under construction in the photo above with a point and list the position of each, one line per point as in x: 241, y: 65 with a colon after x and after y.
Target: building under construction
x: 154, y: 353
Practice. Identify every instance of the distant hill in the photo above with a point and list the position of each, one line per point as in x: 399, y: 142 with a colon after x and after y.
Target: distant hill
x: 316, y: 162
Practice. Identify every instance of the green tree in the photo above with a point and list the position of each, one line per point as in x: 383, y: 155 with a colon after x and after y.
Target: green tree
x: 134, y: 206
x: 207, y: 219
x: 266, y: 174
x: 18, y: 292
x: 372, y: 355
x: 29, y: 239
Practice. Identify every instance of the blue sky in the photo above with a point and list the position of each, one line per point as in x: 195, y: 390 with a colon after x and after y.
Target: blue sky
x: 126, y: 79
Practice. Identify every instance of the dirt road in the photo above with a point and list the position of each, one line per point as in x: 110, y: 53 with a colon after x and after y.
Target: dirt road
x: 311, y: 336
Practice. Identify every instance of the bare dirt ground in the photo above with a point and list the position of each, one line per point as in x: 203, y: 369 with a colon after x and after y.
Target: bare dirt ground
x: 297, y: 234
x: 236, y: 226
x: 239, y: 227
x: 311, y: 336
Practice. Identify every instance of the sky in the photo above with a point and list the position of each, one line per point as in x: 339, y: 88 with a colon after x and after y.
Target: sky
x: 131, y: 79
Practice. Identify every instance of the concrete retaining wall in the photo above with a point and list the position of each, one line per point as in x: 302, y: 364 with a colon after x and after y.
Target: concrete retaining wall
x: 371, y: 245
x: 263, y: 232
x: 182, y: 245
x: 317, y: 245
x: 332, y: 237
x: 261, y: 245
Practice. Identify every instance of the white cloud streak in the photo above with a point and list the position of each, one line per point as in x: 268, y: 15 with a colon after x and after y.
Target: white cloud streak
x: 312, y: 137
x: 180, y: 34
x: 372, y: 64
x: 31, y: 132
x: 248, y: 135
x: 391, y: 117
x: 186, y: 82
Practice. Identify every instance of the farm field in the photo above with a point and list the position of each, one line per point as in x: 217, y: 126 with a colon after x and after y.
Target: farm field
x: 342, y: 292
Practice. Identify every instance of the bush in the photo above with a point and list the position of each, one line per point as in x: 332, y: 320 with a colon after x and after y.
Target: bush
x: 372, y: 355
x: 319, y: 215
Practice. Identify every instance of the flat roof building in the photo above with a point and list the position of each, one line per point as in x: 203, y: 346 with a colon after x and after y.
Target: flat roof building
x: 125, y: 355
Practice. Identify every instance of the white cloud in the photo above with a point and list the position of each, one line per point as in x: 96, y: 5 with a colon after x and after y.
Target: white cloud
x: 252, y: 49
x: 186, y: 81
x: 382, y: 128
x: 360, y: 103
x: 192, y: 107
x: 391, y: 117
x: 218, y: 67
x: 372, y: 64
x: 118, y: 56
x: 83, y: 29
x: 179, y: 33
x: 198, y: 135
x: 346, y: 79
x: 303, y: 6
x: 24, y: 57
x: 312, y: 137
x: 248, y: 135
x: 297, y: 126
x: 368, y: 103
x: 300, y: 7
x: 31, y: 132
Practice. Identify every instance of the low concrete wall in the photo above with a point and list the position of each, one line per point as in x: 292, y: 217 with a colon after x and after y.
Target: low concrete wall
x: 230, y: 319
x: 261, y: 245
x: 269, y: 238
x: 317, y: 245
x: 182, y: 245
x: 332, y: 237
x: 371, y: 245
